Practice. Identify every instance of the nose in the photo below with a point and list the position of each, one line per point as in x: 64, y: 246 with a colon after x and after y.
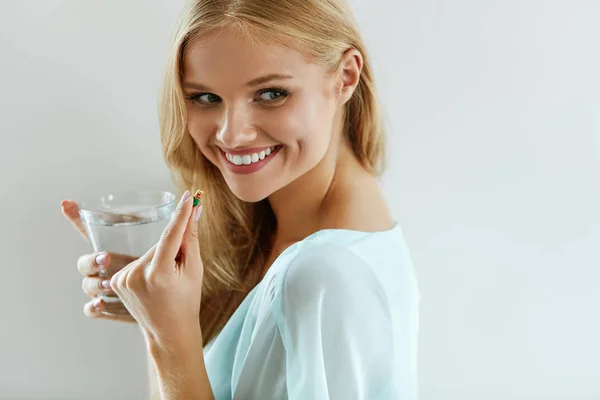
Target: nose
x: 236, y: 129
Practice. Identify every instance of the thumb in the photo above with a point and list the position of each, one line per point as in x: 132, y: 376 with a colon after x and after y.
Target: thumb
x: 70, y: 210
x: 190, y: 246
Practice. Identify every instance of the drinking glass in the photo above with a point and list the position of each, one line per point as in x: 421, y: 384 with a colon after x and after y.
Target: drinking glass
x: 127, y: 224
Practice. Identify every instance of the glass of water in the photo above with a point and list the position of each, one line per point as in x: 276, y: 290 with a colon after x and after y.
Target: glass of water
x: 127, y: 225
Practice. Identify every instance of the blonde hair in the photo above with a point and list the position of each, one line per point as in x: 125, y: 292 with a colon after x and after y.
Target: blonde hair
x: 235, y: 236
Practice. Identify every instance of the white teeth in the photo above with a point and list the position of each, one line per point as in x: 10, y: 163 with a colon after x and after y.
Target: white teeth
x: 249, y: 158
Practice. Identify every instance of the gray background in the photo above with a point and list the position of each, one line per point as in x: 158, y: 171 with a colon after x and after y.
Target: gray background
x: 493, y: 110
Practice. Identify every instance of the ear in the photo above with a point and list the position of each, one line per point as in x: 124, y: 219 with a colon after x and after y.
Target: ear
x: 349, y: 74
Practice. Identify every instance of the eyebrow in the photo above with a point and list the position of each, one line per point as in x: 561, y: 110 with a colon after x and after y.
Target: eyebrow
x: 254, y: 82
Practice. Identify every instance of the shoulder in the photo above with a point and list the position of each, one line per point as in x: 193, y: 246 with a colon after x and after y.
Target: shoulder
x: 329, y: 299
x: 329, y: 272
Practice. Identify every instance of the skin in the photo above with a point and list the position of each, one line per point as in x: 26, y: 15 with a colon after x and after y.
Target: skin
x: 312, y: 182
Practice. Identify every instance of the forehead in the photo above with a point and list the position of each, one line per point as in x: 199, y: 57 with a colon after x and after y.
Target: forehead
x: 230, y: 56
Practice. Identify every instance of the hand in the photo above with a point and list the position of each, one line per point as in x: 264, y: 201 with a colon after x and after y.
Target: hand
x: 162, y: 290
x: 89, y: 267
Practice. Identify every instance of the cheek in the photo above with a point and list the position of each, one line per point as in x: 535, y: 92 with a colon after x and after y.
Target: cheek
x: 201, y: 128
x: 302, y: 126
x: 197, y: 124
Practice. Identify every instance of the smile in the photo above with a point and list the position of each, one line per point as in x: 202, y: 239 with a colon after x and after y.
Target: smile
x: 250, y: 162
x: 251, y: 158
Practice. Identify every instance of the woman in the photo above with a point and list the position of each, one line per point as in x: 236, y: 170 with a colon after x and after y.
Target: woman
x: 296, y: 281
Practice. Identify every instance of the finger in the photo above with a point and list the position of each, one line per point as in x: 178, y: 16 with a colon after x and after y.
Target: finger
x: 171, y: 239
x: 118, y: 282
x: 94, y: 308
x: 70, y: 210
x: 191, y: 246
x: 92, y: 264
x: 93, y: 286
x: 149, y: 255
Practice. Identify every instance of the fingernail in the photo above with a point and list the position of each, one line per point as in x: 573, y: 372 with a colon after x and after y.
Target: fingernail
x: 96, y: 303
x: 101, y: 259
x: 106, y: 284
x: 185, y: 196
x: 197, y: 213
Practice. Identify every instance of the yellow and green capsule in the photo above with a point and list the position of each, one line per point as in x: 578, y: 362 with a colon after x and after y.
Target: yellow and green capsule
x: 198, y: 197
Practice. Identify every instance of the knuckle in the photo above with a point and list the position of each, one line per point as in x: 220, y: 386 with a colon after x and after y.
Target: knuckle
x: 88, y: 310
x: 157, y: 279
x: 87, y: 286
x: 82, y: 261
x: 129, y: 281
x: 135, y: 277
x: 115, y: 282
x: 93, y: 286
x: 153, y: 279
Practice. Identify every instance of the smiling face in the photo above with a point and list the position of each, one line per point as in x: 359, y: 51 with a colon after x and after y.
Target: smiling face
x: 264, y: 116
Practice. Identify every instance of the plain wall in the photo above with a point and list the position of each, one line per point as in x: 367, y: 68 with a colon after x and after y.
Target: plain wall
x: 493, y: 110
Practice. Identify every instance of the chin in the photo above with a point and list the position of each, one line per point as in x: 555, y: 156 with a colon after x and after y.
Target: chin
x: 249, y: 193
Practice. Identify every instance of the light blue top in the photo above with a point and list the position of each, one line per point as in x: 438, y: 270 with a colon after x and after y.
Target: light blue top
x: 335, y: 317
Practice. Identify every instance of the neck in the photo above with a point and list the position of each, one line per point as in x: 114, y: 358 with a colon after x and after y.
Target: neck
x: 311, y: 202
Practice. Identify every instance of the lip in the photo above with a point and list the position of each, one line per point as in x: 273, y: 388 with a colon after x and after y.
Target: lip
x: 251, y: 168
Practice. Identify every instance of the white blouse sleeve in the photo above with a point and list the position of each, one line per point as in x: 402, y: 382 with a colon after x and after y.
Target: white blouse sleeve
x: 335, y: 325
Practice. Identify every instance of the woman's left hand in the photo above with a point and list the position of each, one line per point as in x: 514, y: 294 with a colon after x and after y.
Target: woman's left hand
x: 163, y: 288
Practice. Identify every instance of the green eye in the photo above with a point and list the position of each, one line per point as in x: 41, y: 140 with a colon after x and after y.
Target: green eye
x: 205, y: 98
x: 208, y: 98
x: 272, y: 94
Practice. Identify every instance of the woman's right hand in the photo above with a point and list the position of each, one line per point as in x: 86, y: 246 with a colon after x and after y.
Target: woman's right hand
x: 89, y: 265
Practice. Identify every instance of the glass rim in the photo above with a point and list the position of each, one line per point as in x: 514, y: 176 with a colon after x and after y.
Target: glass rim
x: 83, y: 208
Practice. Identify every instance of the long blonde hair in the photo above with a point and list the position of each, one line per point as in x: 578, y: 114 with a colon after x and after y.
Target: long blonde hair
x: 235, y: 236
